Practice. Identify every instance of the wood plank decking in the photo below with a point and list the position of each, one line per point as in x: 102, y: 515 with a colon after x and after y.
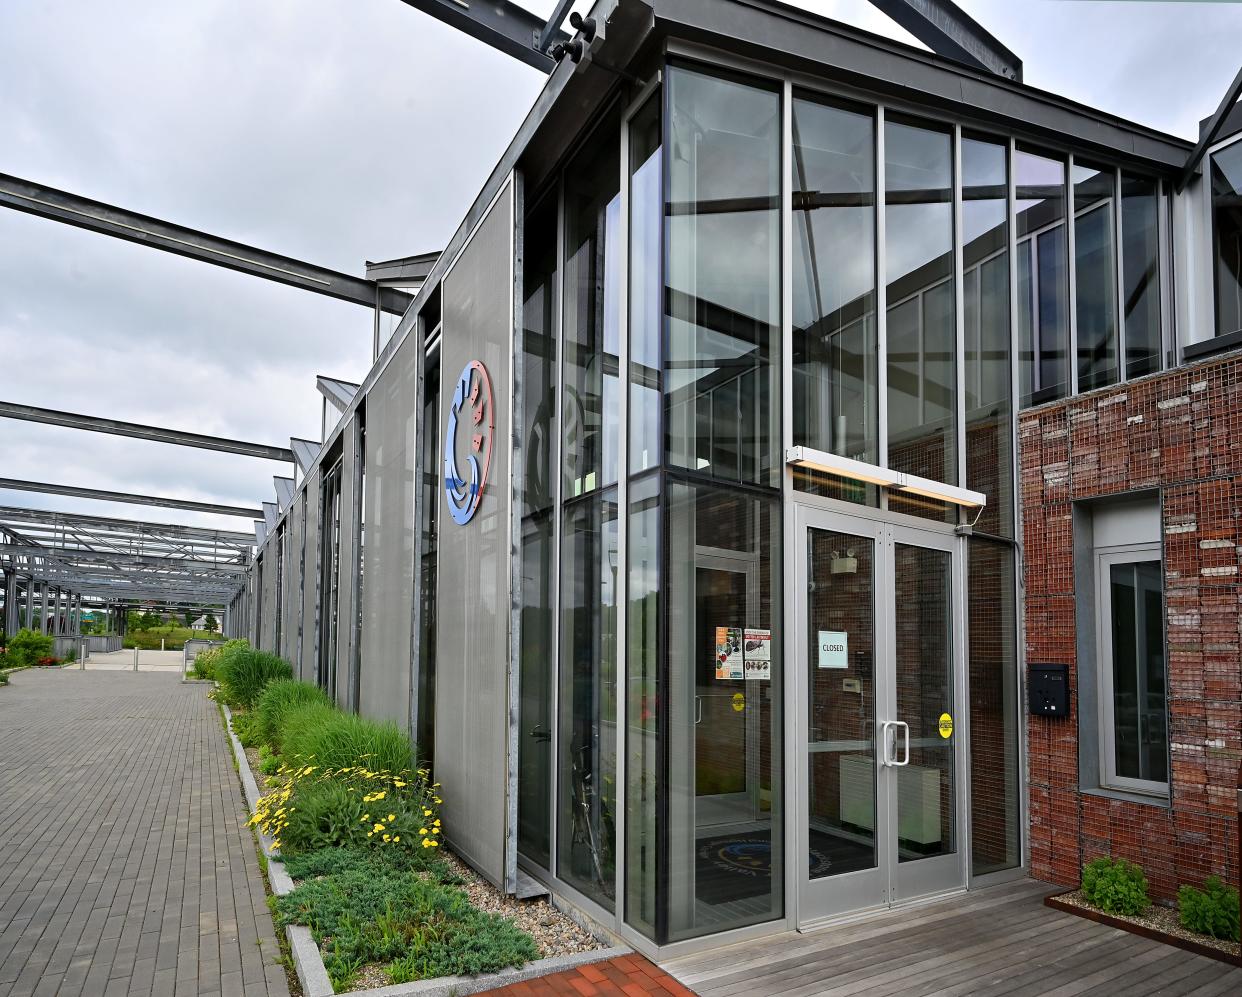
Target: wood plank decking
x: 1000, y: 940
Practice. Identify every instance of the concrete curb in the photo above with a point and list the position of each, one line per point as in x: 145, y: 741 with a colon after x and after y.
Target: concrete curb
x: 308, y: 961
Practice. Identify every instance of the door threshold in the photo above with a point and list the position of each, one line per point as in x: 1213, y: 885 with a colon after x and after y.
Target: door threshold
x: 872, y: 913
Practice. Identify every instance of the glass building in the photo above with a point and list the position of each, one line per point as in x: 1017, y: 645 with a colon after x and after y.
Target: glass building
x: 687, y: 488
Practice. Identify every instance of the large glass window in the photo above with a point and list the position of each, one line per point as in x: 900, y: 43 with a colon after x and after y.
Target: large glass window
x: 645, y: 443
x: 722, y: 276
x: 985, y: 306
x: 538, y: 626
x: 1095, y: 273
x: 921, y: 328
x: 835, y: 388
x: 1132, y: 669
x: 1043, y: 277
x: 1227, y: 224
x: 1140, y: 275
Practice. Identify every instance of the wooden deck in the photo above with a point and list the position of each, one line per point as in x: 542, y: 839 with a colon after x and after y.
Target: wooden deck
x: 1001, y: 940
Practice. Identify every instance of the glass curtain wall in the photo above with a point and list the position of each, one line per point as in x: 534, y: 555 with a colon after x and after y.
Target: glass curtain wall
x: 1227, y: 229
x: 1140, y: 274
x: 1095, y: 273
x: 642, y: 766
x: 425, y: 734
x: 985, y: 324
x: 1043, y: 277
x: 835, y: 380
x: 538, y: 625
x: 590, y: 404
x: 920, y: 309
x: 719, y: 690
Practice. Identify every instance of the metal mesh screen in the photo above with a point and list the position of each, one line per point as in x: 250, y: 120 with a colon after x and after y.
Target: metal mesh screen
x: 310, y: 572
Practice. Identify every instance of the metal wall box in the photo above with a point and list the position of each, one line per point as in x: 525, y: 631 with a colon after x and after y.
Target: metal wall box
x: 1048, y: 690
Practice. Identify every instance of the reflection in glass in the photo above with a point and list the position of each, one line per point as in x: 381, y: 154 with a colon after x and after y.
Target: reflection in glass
x: 588, y: 697
x: 591, y: 333
x: 985, y: 306
x: 426, y: 725
x: 834, y: 328
x: 921, y: 336
x: 724, y: 731
x: 1227, y: 224
x: 1043, y: 277
x: 995, y: 786
x: 841, y: 762
x: 1140, y: 261
x: 1095, y: 273
x: 645, y: 366
x: 1140, y: 711
x: 923, y: 652
x: 538, y: 631
x: 722, y: 260
x: 643, y: 704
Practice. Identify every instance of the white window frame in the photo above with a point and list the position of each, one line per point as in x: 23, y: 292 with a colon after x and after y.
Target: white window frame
x: 1105, y: 559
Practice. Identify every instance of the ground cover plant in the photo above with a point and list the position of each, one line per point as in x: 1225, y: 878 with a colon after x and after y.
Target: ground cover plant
x: 1115, y: 887
x: 1212, y: 911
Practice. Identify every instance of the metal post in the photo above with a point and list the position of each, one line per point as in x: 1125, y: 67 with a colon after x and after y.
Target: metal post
x: 82, y: 642
x: 30, y: 587
x: 43, y: 614
x: 135, y: 657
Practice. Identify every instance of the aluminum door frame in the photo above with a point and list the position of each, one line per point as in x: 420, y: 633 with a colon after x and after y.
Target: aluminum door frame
x: 889, y: 883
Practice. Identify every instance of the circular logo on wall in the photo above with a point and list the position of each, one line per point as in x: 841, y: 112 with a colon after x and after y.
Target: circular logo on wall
x: 471, y: 405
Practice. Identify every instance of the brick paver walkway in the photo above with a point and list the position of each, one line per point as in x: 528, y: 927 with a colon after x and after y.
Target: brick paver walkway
x: 627, y: 976
x: 125, y: 863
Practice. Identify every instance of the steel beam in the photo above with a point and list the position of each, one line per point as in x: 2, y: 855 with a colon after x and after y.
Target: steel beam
x: 949, y: 31
x: 505, y: 26
x: 157, y: 434
x: 102, y: 495
x: 408, y: 269
x: 48, y: 516
x: 70, y: 555
x: 107, y: 219
x: 1210, y: 131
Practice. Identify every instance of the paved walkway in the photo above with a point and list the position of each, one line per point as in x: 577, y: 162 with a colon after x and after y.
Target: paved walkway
x: 627, y: 976
x: 123, y: 660
x: 125, y: 864
x: 1001, y: 940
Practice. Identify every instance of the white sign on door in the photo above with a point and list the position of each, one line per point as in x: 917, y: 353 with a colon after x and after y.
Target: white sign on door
x: 834, y: 649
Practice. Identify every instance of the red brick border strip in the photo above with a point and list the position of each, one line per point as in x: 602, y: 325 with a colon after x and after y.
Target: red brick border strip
x: 1056, y: 903
x: 625, y: 976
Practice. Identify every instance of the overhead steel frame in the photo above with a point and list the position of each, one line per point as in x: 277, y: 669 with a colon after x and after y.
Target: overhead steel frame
x: 128, y: 498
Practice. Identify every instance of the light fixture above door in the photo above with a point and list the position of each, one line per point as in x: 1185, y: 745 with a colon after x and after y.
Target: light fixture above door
x: 857, y: 470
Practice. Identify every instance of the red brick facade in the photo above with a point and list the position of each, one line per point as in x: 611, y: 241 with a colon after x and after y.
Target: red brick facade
x: 1180, y: 432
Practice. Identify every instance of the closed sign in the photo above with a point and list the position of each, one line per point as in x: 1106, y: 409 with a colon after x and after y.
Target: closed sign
x: 834, y: 649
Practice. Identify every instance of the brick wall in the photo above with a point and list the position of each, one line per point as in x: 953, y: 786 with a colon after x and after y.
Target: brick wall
x: 1180, y: 432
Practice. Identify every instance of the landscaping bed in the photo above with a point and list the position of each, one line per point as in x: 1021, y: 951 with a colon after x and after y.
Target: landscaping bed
x: 362, y: 881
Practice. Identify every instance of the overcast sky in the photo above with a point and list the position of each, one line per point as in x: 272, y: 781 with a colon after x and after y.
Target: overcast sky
x: 333, y: 131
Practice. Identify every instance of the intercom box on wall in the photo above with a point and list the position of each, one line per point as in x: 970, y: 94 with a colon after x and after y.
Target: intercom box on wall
x: 1048, y: 690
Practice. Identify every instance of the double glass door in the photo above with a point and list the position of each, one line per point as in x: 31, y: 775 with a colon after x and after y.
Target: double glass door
x: 880, y: 683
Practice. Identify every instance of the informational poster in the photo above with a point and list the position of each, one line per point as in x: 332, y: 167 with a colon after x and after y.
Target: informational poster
x: 757, y: 652
x: 729, y: 653
x: 834, y: 649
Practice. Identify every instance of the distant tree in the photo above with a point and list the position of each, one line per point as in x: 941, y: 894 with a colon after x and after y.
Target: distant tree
x: 189, y: 617
x: 150, y: 620
x: 134, y: 621
x: 211, y: 625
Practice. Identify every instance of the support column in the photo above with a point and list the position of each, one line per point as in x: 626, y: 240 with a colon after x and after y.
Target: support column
x: 43, y: 608
x: 11, y: 621
x: 30, y: 593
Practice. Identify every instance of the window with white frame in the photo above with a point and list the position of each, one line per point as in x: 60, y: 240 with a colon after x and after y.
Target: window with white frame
x: 1132, y: 668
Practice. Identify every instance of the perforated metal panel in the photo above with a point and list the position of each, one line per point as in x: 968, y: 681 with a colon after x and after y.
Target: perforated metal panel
x: 388, y: 586
x: 310, y: 572
x: 267, y: 638
x: 474, y: 751
x: 346, y: 609
x: 292, y: 601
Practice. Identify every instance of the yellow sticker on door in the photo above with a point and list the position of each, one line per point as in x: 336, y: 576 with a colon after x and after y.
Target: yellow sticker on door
x: 946, y: 726
x: 739, y: 702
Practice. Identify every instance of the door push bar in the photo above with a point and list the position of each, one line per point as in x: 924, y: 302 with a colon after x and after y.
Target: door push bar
x: 888, y: 746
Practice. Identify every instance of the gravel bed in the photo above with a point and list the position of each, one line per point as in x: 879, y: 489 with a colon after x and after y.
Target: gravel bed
x: 1163, y: 919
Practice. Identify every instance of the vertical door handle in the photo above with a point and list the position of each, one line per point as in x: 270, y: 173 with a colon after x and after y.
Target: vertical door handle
x: 886, y: 757
x: 698, y: 709
x: 905, y: 729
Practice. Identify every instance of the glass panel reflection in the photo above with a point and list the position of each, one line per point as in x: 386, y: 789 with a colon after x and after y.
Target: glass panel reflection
x: 835, y: 384
x: 1043, y: 277
x: 921, y: 338
x: 1140, y: 712
x: 722, y: 262
x: 644, y: 317
x: 1227, y: 224
x: 841, y: 759
x: 1140, y: 260
x: 923, y: 652
x: 1095, y: 273
x: 985, y: 298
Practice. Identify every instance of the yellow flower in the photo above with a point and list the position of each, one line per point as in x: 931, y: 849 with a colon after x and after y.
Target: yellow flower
x: 370, y: 834
x: 438, y: 800
x: 391, y: 818
x: 387, y: 838
x: 422, y: 830
x: 434, y: 844
x: 378, y: 827
x: 366, y: 817
x: 398, y: 783
x: 397, y: 838
x: 426, y: 813
x: 426, y: 843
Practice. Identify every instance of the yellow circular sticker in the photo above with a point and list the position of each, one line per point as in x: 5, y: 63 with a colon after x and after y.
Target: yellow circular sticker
x: 946, y: 725
x: 739, y: 702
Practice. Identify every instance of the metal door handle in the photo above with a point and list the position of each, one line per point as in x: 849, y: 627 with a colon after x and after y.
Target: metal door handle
x: 886, y: 757
x: 698, y: 709
x: 539, y: 734
x: 905, y: 759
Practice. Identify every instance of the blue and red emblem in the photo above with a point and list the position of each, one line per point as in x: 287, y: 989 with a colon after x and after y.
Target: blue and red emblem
x: 473, y: 399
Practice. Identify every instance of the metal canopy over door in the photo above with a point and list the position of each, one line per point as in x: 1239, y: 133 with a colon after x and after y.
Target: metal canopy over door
x: 880, y: 682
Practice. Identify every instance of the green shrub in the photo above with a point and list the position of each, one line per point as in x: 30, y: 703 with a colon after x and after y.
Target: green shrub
x: 362, y: 914
x: 331, y: 739
x: 245, y: 673
x: 26, y: 648
x: 1115, y: 887
x: 205, y: 663
x: 268, y: 762
x: 1211, y: 911
x: 325, y: 814
x: 244, y: 728
x: 275, y: 703
x: 4, y: 678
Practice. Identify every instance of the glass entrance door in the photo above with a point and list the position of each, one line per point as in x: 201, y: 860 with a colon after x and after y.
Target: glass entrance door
x: 879, y: 673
